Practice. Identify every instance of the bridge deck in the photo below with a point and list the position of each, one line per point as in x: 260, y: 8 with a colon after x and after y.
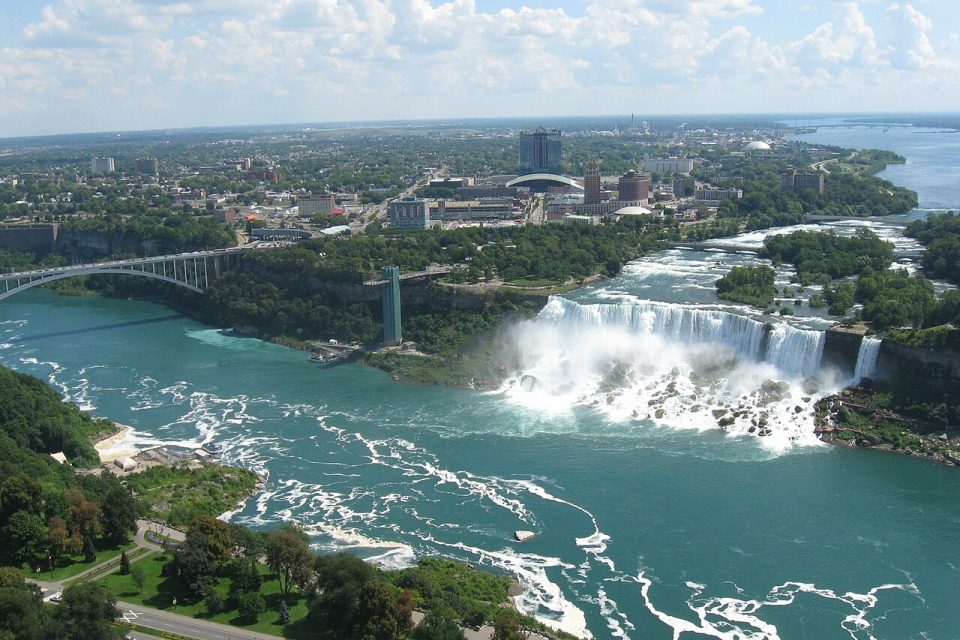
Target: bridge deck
x: 410, y: 276
x: 118, y: 264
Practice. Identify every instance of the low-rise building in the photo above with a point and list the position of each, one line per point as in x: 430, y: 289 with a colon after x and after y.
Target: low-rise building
x: 494, y: 209
x: 581, y: 220
x: 716, y: 195
x: 607, y: 208
x: 668, y: 165
x: 452, y: 182
x: 487, y: 191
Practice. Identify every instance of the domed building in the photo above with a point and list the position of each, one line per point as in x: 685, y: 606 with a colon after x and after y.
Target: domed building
x: 757, y: 145
x: 632, y: 211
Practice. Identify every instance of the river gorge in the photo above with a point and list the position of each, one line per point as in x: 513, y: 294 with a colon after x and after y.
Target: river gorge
x: 659, y: 443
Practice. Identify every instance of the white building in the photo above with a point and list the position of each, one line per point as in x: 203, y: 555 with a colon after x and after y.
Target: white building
x: 101, y: 165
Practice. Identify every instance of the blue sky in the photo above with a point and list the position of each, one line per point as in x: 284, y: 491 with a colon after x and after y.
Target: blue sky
x: 101, y: 65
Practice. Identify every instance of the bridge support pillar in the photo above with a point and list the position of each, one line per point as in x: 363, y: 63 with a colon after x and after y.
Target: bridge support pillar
x: 392, y: 334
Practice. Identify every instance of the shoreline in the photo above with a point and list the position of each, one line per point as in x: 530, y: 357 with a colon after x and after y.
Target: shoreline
x: 107, y: 448
x: 846, y: 419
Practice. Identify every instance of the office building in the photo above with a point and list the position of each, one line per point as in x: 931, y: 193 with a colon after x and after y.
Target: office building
x: 148, y: 166
x: 309, y: 206
x: 410, y: 213
x: 633, y: 186
x: 591, y: 183
x: 668, y: 165
x: 540, y: 151
x: 683, y: 186
x: 793, y: 180
x: 102, y: 165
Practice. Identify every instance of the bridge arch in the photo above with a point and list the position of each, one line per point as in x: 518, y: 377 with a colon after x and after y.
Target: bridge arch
x: 39, y: 278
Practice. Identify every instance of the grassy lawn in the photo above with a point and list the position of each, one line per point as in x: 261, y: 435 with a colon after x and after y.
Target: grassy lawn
x: 68, y: 566
x: 159, y: 592
x: 533, y: 282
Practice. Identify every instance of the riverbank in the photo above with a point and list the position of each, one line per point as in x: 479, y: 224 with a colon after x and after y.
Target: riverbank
x: 858, y: 417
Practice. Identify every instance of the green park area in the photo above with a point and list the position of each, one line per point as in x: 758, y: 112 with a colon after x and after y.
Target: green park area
x: 171, y: 593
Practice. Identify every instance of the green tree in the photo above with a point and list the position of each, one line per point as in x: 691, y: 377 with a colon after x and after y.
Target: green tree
x: 124, y: 564
x: 382, y: 612
x: 289, y: 556
x: 436, y: 626
x: 213, y: 600
x: 57, y: 539
x: 506, y: 627
x: 196, y: 561
x: 25, y: 534
x: 840, y: 298
x: 118, y: 509
x: 339, y: 579
x: 245, y: 576
x: 87, y: 611
x: 89, y: 550
x: 138, y: 577
x: 284, y: 610
x: 22, y: 616
x: 749, y: 285
x: 251, y: 605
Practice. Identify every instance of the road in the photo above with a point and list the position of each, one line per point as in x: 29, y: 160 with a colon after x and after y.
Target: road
x: 822, y: 165
x: 379, y: 212
x: 184, y: 625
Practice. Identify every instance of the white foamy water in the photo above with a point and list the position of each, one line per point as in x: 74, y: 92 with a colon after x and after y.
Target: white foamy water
x: 867, y: 358
x: 680, y: 367
x: 737, y: 618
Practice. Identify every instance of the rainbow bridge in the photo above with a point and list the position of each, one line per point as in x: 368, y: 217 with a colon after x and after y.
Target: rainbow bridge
x: 194, y: 271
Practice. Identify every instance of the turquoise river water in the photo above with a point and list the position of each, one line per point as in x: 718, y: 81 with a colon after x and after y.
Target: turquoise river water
x: 650, y: 524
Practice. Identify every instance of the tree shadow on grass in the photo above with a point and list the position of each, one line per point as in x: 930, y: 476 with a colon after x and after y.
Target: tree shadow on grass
x: 303, y: 629
x: 168, y: 589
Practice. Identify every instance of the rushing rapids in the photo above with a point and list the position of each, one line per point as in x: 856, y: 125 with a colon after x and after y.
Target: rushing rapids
x: 676, y: 365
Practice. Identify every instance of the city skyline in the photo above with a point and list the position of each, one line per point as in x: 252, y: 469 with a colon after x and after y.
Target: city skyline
x: 114, y: 65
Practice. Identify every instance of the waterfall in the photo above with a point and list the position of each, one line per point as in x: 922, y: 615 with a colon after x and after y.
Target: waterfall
x: 794, y: 351
x: 676, y: 323
x: 867, y: 358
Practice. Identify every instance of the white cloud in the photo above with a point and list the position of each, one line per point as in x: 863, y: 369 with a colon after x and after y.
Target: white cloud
x: 141, y: 63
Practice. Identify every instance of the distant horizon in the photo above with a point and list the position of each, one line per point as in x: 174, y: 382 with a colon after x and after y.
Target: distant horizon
x: 104, y: 65
x: 534, y: 120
